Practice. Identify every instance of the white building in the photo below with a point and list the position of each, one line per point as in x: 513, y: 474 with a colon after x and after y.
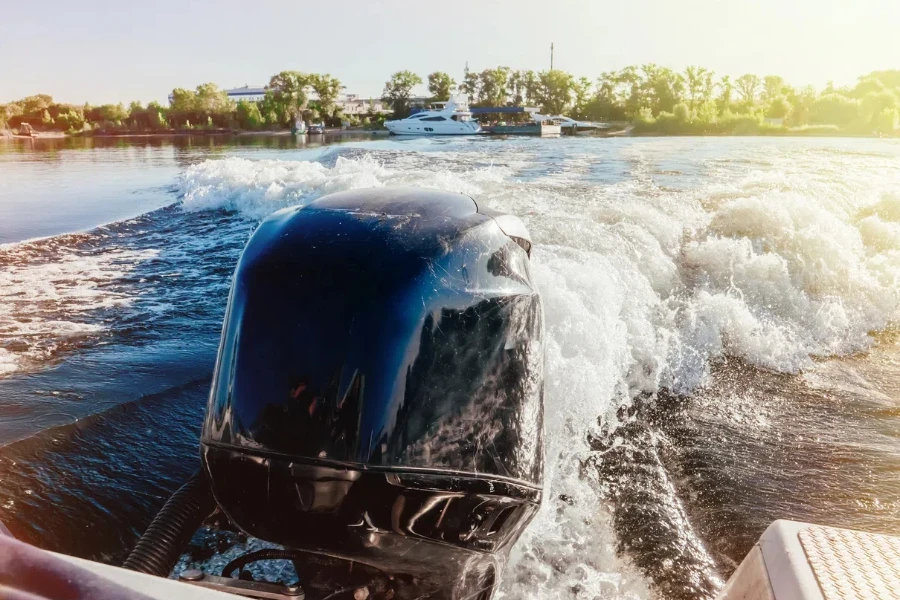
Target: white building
x: 352, y: 104
x: 247, y: 93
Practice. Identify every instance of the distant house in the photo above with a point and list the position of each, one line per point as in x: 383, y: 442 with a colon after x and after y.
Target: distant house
x: 352, y: 104
x: 247, y: 93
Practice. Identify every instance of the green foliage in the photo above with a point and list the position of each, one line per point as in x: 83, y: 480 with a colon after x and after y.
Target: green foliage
x: 555, y: 91
x: 107, y: 116
x: 834, y: 109
x: 440, y: 86
x: 657, y: 100
x: 397, y: 91
x: 645, y: 116
x: 493, y: 86
x: 469, y: 85
x: 207, y: 103
x: 726, y: 96
x: 327, y: 89
x: 773, y: 88
x: 286, y: 97
x: 248, y: 115
x: 582, y: 91
x: 699, y: 85
x: 874, y: 104
x: 887, y: 120
x: 748, y: 87
x: 779, y: 108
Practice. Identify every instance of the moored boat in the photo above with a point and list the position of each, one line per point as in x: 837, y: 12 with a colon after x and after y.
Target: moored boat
x: 453, y: 119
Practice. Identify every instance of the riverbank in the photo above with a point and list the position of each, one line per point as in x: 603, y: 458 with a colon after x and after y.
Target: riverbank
x: 669, y: 126
x: 658, y: 128
x: 168, y: 133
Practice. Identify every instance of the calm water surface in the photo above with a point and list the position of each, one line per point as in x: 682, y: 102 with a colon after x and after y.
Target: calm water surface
x: 722, y: 322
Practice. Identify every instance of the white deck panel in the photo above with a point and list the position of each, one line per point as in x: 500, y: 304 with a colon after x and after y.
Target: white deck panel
x: 801, y: 561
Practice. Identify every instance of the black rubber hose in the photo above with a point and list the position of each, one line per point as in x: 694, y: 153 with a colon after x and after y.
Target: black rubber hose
x: 267, y: 554
x: 159, y: 548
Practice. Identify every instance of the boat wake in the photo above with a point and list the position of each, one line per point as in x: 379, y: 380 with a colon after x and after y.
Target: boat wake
x: 662, y: 264
x: 647, y: 287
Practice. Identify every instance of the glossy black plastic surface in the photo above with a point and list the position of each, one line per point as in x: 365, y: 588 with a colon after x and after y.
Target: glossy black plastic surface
x: 377, y: 396
x: 384, y: 328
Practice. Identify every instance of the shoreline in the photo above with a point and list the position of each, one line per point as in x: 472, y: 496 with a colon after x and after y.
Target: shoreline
x: 37, y: 135
x: 615, y: 133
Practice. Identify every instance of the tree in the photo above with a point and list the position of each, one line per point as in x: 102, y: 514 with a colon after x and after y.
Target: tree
x: 779, y: 108
x: 397, y: 91
x: 107, y: 115
x: 286, y: 96
x: 748, y: 87
x: 72, y: 120
x: 147, y: 119
x: 632, y: 91
x: 773, y: 88
x: 867, y: 85
x: 801, y: 105
x: 556, y: 89
x: 516, y: 86
x: 699, y: 85
x: 327, y: 89
x: 605, y: 105
x: 469, y: 85
x: 834, y: 109
x: 582, y: 91
x: 661, y: 88
x: 440, y: 86
x: 493, y: 86
x: 248, y: 116
x: 183, y: 101
x: 36, y: 104
x: 725, y: 97
x: 211, y: 101
x: 890, y: 78
x: 886, y: 121
x: 532, y: 86
x: 875, y: 103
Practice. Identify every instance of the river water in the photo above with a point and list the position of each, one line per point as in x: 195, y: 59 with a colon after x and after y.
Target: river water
x: 721, y: 315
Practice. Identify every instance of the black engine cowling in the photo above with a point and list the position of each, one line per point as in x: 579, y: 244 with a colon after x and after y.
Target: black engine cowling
x: 377, y: 396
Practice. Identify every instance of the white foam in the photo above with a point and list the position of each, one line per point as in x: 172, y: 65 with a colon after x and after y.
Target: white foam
x: 645, y: 287
x: 258, y: 188
x: 43, y: 305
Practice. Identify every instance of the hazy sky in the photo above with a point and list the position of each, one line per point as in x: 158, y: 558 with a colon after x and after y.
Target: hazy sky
x: 101, y: 51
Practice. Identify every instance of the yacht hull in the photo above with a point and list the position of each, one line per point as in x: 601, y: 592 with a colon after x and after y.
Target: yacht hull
x: 401, y: 128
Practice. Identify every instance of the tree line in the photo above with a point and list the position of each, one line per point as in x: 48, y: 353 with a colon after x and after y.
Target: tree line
x: 659, y: 99
x: 289, y: 95
x: 652, y: 98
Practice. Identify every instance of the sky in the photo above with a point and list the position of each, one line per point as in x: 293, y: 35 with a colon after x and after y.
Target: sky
x: 107, y: 52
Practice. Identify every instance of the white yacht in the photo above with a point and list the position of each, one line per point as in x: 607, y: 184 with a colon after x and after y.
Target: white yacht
x: 452, y: 118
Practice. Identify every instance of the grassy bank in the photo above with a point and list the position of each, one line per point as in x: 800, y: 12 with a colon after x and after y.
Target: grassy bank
x: 683, y: 122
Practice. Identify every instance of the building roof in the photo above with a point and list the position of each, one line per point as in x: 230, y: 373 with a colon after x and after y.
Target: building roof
x: 247, y: 90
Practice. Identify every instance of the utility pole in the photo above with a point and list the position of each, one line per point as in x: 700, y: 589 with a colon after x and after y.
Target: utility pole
x: 551, y: 56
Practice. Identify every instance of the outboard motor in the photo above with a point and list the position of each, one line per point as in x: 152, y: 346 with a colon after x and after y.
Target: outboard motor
x: 376, y: 406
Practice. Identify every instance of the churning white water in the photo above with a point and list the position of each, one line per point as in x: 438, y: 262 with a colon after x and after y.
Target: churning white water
x: 656, y: 258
